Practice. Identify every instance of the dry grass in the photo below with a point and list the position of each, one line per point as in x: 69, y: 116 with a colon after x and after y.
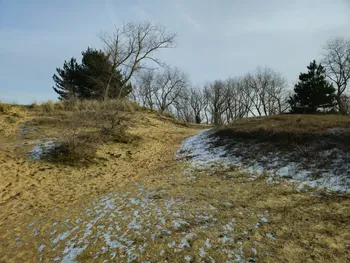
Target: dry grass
x: 4, y: 107
x: 84, y: 126
x: 291, y: 123
x: 50, y: 106
x: 291, y: 131
x: 308, y: 226
x: 305, y: 226
x: 47, y: 107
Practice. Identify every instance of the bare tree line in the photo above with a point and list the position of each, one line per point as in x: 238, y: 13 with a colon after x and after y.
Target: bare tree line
x: 261, y: 93
x: 132, y: 50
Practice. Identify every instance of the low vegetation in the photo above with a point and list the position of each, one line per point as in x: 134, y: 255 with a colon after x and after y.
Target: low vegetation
x: 4, y: 107
x: 290, y: 127
x: 83, y: 126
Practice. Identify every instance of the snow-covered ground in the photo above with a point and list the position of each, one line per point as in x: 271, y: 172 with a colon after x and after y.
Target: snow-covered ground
x: 204, y: 154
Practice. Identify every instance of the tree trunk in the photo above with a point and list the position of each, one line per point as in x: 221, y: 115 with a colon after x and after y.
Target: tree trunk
x: 340, y: 105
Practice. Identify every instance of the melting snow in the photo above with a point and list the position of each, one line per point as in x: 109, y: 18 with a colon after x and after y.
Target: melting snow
x: 41, y: 149
x: 203, y: 155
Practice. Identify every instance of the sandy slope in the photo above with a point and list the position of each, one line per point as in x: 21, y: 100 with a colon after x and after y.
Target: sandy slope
x: 33, y: 188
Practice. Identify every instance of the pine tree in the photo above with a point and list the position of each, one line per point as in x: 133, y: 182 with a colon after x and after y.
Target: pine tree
x: 89, y: 79
x: 68, y: 82
x: 312, y: 91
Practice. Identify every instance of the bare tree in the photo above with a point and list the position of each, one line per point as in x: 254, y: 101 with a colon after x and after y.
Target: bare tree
x: 238, y: 104
x: 216, y: 95
x: 182, y: 107
x: 129, y: 48
x: 276, y: 94
x: 267, y: 91
x: 196, y: 103
x: 337, y: 64
x: 252, y: 91
x: 169, y: 86
x: 144, y: 87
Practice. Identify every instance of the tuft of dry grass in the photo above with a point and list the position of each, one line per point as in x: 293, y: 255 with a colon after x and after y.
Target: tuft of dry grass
x: 47, y: 107
x: 34, y: 106
x: 4, y: 107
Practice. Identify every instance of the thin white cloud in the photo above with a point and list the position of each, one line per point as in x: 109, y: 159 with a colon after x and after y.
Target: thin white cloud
x: 140, y: 13
x: 194, y: 23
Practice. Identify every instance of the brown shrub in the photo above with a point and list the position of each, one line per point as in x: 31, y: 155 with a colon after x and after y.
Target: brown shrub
x: 75, y: 148
x: 90, y: 124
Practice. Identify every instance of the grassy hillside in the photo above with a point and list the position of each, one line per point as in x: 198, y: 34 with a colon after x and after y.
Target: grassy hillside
x: 286, y: 131
x: 133, y: 200
x: 292, y: 123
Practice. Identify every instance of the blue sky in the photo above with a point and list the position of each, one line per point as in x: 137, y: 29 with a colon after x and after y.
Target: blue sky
x: 216, y: 39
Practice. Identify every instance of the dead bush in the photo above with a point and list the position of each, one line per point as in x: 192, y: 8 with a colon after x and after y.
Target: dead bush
x: 78, y: 143
x: 111, y: 119
x: 75, y: 148
x: 92, y: 124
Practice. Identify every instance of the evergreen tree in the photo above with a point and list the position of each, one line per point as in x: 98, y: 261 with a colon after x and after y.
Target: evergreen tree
x: 89, y: 79
x: 68, y: 81
x: 312, y: 91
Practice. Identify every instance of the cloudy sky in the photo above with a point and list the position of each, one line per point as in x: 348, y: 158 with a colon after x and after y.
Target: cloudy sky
x: 216, y: 38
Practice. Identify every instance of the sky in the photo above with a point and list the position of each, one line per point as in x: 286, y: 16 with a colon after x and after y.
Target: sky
x: 216, y: 39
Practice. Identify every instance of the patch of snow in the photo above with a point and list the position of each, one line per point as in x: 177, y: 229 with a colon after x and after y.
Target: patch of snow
x: 264, y: 219
x: 41, y: 149
x: 187, y: 258
x: 338, y: 131
x: 184, y: 243
x: 254, y: 251
x: 270, y: 235
x: 64, y: 235
x: 171, y: 244
x: 202, y: 154
x: 41, y: 248
x: 226, y: 239
x: 72, y: 252
x: 190, y: 236
x: 207, y: 243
